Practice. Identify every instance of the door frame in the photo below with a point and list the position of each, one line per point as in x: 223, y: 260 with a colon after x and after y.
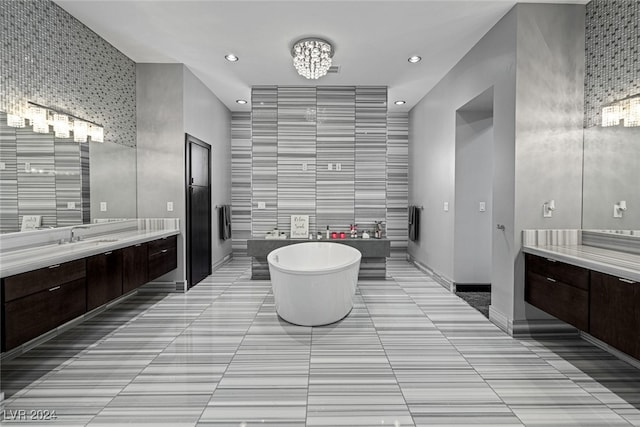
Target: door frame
x: 189, y: 139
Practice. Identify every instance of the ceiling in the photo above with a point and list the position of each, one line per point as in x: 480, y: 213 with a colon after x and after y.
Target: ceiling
x: 372, y: 39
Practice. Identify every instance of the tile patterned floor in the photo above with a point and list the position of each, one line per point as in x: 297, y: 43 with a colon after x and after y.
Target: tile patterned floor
x: 409, y: 354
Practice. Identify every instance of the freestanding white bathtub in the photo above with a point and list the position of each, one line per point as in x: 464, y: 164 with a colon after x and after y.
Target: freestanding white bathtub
x: 314, y: 282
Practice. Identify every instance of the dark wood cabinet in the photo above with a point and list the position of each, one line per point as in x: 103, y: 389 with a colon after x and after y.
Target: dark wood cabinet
x: 104, y: 278
x: 560, y: 289
x: 162, y: 256
x: 135, y: 260
x: 41, y: 300
x: 615, y: 312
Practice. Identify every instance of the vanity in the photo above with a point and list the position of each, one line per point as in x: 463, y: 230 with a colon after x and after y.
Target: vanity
x: 591, y: 281
x: 47, y: 281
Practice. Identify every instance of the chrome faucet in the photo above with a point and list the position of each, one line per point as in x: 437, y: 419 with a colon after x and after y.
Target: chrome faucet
x: 72, y: 236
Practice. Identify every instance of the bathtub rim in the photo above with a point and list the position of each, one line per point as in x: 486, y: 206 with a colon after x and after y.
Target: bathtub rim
x: 316, y: 271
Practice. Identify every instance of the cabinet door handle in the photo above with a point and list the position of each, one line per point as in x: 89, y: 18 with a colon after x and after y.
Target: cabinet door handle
x: 626, y: 280
x: 108, y: 253
x: 55, y: 288
x: 551, y: 280
x: 164, y: 251
x: 552, y: 260
x: 54, y: 266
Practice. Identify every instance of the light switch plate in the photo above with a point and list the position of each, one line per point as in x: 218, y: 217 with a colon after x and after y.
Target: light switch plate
x: 103, y: 206
x: 338, y: 166
x: 27, y: 167
x: 3, y: 166
x: 330, y: 166
x: 262, y: 205
x: 482, y: 207
x: 169, y: 206
x: 446, y: 206
x: 71, y: 205
x: 304, y: 166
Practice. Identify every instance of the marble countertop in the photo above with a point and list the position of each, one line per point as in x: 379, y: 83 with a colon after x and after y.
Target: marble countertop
x: 616, y: 263
x: 28, y: 259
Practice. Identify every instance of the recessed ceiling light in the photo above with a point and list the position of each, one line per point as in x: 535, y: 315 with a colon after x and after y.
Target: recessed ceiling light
x: 414, y: 59
x: 400, y: 102
x: 241, y: 101
x: 231, y: 57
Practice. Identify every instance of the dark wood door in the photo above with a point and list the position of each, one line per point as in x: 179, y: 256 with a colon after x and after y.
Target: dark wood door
x: 198, y: 210
x: 104, y: 278
x: 614, y: 312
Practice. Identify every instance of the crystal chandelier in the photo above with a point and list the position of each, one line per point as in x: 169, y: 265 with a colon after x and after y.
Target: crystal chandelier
x: 312, y: 57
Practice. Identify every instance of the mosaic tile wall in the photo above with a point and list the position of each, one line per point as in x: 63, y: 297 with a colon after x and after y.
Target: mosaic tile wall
x: 293, y: 126
x: 50, y: 58
x: 612, y: 66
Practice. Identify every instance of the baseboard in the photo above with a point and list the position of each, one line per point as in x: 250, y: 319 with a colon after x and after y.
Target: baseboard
x: 542, y: 327
x: 472, y: 287
x: 221, y: 262
x: 499, y: 319
x: 446, y: 283
x: 611, y: 350
x: 168, y: 286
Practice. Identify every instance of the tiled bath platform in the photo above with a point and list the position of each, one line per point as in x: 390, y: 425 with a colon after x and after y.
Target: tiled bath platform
x: 409, y: 354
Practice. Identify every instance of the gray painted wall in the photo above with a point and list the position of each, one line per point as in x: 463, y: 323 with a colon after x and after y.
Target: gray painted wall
x: 172, y: 101
x: 206, y: 118
x: 534, y: 59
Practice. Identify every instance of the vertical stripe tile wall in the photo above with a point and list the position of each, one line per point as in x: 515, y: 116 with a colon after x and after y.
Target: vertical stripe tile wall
x: 370, y: 155
x: 319, y: 126
x: 264, y: 169
x: 68, y: 182
x: 8, y: 178
x: 240, y: 181
x: 36, y: 181
x: 397, y: 182
x: 296, y: 147
x: 41, y: 175
x: 335, y: 144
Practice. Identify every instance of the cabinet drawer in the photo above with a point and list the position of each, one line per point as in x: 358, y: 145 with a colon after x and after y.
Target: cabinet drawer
x: 559, y: 271
x: 559, y: 299
x: 24, y: 284
x: 104, y: 278
x: 159, y: 245
x: 162, y: 262
x: 31, y: 316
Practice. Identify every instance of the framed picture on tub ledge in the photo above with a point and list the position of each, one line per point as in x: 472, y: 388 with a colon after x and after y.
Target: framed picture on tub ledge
x: 299, y: 226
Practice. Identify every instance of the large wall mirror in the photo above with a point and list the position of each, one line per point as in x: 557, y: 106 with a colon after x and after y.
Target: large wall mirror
x: 62, y: 181
x: 611, y: 174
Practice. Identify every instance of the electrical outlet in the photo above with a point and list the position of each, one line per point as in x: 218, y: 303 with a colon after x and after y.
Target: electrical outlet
x: 262, y: 205
x: 446, y: 206
x: 103, y: 206
x: 169, y: 206
x: 27, y: 167
x: 338, y: 166
x: 330, y: 167
x: 304, y: 166
x: 3, y: 166
x: 71, y: 205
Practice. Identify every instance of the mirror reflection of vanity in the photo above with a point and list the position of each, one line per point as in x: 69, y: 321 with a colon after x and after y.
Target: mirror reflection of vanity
x: 611, y: 180
x: 65, y: 182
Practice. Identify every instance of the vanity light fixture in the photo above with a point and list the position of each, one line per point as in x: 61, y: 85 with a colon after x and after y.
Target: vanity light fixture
x: 241, y: 101
x: 41, y: 118
x: 15, y: 121
x: 312, y: 57
x: 400, y: 102
x: 414, y: 59
x: 626, y: 110
x: 231, y: 57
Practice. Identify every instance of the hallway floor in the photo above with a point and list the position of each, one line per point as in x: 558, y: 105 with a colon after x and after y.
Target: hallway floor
x: 410, y: 353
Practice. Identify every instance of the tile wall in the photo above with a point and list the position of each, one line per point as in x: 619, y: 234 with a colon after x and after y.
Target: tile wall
x: 281, y: 154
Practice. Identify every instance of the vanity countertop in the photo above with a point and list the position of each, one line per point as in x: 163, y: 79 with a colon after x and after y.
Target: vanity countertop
x: 608, y: 261
x: 23, y: 260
